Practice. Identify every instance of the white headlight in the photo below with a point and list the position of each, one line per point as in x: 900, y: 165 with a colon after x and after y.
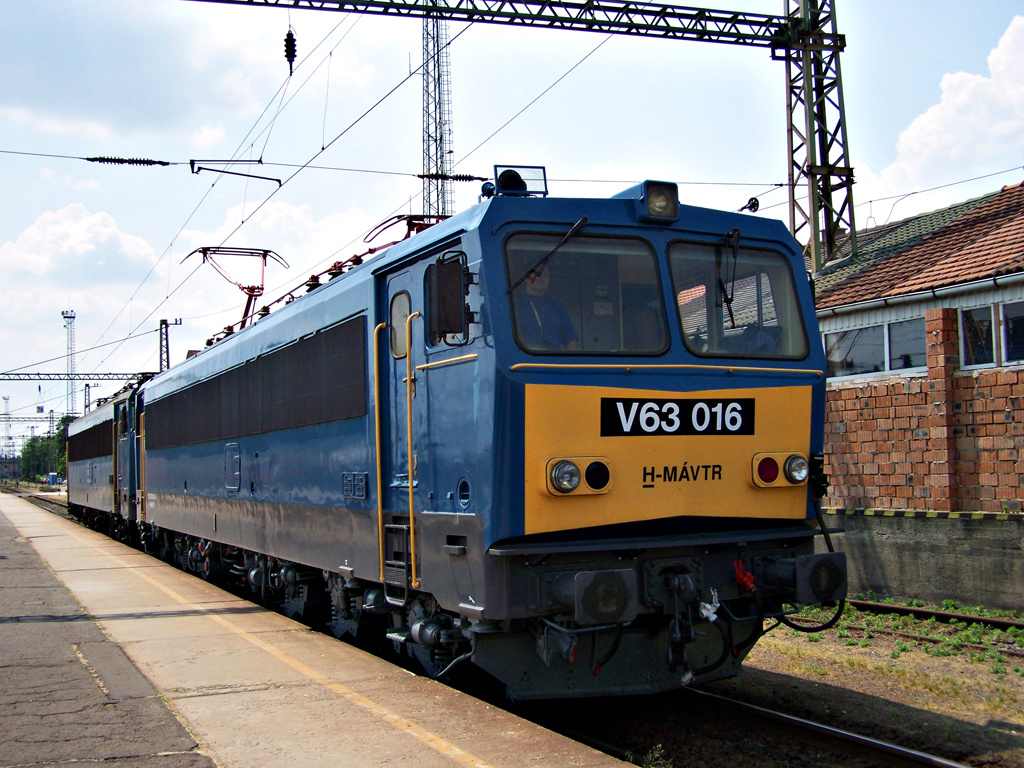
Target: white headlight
x: 565, y: 476
x: 796, y: 469
x: 662, y: 200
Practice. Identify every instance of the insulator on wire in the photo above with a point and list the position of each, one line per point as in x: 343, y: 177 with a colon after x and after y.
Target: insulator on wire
x: 289, y: 51
x: 450, y: 177
x: 126, y: 161
x: 752, y: 205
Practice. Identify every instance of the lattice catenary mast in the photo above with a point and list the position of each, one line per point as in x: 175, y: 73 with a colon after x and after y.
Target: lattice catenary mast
x: 8, y: 449
x: 438, y: 199
x: 69, y: 323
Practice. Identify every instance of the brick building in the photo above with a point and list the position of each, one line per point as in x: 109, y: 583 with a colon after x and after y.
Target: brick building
x: 924, y: 334
x: 8, y: 467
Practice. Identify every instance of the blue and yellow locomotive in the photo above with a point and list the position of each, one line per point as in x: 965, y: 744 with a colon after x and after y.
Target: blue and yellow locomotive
x: 576, y: 442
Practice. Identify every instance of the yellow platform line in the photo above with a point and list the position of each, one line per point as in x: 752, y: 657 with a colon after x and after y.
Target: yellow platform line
x: 419, y: 733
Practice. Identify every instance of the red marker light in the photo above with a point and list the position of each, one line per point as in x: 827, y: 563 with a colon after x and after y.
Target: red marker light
x: 768, y: 470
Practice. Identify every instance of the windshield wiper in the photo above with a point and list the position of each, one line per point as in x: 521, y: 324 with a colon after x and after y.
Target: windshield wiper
x: 536, y: 268
x: 731, y: 239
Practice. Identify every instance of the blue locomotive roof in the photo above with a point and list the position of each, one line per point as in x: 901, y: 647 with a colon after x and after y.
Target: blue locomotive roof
x: 321, y: 309
x: 96, y: 416
x: 307, y: 314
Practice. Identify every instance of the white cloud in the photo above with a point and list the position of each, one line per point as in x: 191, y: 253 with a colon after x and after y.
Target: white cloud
x: 71, y: 258
x: 977, y: 127
x: 72, y: 245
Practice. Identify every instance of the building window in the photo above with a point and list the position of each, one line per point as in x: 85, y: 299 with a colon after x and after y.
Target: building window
x: 850, y: 353
x: 976, y: 334
x: 907, y: 344
x: 1013, y: 332
x: 897, y: 347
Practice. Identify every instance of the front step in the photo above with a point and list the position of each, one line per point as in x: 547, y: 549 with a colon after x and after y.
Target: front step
x: 398, y: 636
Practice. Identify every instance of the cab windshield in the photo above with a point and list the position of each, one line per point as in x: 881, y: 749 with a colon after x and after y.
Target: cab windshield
x: 596, y: 295
x: 736, y: 302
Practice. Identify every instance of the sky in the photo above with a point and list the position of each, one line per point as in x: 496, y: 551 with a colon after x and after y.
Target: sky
x: 934, y: 104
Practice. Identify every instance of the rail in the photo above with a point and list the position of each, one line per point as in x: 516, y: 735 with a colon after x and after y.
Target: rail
x: 905, y: 754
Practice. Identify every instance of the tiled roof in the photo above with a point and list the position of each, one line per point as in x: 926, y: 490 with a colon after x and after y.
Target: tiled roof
x: 965, y: 242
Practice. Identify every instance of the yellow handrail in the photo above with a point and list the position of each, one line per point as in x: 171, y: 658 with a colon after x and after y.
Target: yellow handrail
x: 115, y: 490
x: 631, y: 367
x: 409, y: 384
x: 141, y: 447
x: 449, y: 361
x: 380, y: 463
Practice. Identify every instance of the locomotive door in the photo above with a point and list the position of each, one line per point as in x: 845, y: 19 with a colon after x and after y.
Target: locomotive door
x: 403, y: 440
x: 123, y: 465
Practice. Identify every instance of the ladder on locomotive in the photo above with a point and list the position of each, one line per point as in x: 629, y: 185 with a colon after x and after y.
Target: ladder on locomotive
x: 397, y: 564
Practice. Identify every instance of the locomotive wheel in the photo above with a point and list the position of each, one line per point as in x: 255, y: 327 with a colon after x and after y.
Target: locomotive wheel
x: 423, y: 655
x: 435, y: 659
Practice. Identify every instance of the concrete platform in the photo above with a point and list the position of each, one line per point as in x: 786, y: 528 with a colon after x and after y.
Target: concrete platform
x: 108, y: 654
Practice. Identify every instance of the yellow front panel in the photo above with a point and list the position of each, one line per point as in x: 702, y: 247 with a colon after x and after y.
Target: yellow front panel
x: 657, y: 470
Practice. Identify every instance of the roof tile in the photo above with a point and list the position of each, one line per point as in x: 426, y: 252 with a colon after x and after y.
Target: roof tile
x: 965, y: 242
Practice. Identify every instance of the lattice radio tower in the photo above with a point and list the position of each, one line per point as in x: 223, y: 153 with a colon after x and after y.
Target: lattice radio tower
x: 438, y: 199
x: 69, y: 323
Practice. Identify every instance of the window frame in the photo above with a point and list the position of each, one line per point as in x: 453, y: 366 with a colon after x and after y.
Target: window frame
x: 882, y: 329
x: 657, y: 289
x: 887, y: 369
x: 797, y: 308
x: 1004, y: 342
x: 993, y: 331
x: 888, y: 343
x: 396, y: 329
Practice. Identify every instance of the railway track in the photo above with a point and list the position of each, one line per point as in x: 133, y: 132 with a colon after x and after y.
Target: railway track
x: 952, y: 622
x: 697, y: 727
x: 928, y: 613
x: 860, y: 747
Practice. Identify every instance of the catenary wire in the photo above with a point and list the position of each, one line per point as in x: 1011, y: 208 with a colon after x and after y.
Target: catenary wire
x: 533, y: 101
x: 290, y: 178
x: 903, y: 196
x: 207, y: 193
x: 90, y: 349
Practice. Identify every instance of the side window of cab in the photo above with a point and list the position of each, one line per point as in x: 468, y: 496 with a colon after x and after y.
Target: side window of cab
x: 401, y: 308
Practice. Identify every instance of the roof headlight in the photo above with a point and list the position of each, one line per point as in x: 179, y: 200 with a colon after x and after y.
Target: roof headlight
x: 796, y: 469
x: 565, y: 476
x: 661, y: 199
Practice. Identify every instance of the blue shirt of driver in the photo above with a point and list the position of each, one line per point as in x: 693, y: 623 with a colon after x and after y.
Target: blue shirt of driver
x: 543, y: 323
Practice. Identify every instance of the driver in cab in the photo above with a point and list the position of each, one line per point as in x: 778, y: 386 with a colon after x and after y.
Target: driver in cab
x: 542, y: 322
